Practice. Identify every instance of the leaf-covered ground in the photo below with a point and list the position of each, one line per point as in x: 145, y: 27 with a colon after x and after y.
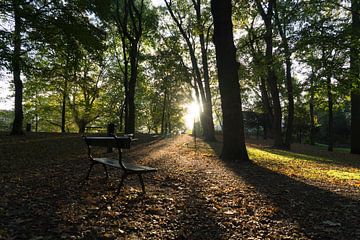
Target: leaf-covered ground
x: 304, y: 194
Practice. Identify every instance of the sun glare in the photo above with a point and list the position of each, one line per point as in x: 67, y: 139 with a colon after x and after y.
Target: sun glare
x: 192, y: 114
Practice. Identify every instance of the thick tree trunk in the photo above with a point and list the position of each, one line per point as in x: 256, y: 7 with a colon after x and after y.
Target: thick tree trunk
x: 312, y: 115
x: 82, y: 126
x: 17, y: 128
x: 355, y: 122
x: 130, y: 124
x: 330, y: 112
x: 355, y: 77
x: 233, y: 126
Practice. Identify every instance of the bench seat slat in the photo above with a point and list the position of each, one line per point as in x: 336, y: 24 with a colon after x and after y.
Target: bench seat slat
x: 138, y: 168
x: 108, y: 161
x: 128, y: 166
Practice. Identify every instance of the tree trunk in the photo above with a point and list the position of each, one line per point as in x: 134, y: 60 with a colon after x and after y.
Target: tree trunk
x: 36, y: 122
x: 355, y: 77
x: 355, y: 122
x: 209, y: 133
x: 125, y: 111
x: 82, y: 126
x: 289, y: 83
x: 63, y: 108
x: 121, y: 122
x: 263, y: 90
x: 330, y: 112
x: 206, y: 117
x: 271, y: 76
x: 311, y: 107
x: 129, y: 24
x: 130, y: 126
x: 266, y: 104
x: 163, y: 113
x: 233, y: 124
x: 290, y: 96
x: 17, y: 128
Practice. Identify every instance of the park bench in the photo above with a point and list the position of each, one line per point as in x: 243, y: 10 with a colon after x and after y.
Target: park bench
x: 118, y: 143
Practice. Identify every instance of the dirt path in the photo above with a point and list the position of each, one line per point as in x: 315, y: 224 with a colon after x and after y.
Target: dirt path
x: 194, y: 195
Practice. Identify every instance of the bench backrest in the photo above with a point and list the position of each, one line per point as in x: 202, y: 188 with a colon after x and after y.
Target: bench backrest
x: 115, y: 142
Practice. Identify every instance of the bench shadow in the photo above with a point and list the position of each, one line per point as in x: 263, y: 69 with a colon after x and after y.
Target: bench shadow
x: 321, y: 214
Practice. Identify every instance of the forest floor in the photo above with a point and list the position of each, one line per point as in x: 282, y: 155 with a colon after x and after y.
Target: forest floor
x: 303, y: 194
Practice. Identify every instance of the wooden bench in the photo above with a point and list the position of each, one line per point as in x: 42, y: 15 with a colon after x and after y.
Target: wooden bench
x: 119, y: 143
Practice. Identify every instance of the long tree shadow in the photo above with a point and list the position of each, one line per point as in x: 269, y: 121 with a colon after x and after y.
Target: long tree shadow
x: 196, y: 220
x: 321, y: 214
x: 318, y: 158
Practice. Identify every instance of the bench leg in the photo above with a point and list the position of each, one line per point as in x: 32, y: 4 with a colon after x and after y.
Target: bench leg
x: 88, y: 174
x: 142, y: 183
x: 121, y: 183
x: 105, y: 168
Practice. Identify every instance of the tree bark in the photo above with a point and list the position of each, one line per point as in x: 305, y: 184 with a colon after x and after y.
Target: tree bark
x: 233, y: 125
x: 132, y: 18
x: 63, y: 107
x: 17, y: 128
x: 124, y: 115
x: 355, y: 77
x: 289, y: 83
x: 312, y: 115
x: 163, y: 113
x: 330, y: 112
x: 130, y: 126
x: 271, y: 76
x: 209, y: 133
x: 266, y: 104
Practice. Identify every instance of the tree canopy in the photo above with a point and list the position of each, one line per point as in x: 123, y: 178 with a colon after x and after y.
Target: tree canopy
x: 77, y: 66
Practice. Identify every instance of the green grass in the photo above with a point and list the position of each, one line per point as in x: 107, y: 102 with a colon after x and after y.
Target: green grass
x: 306, y: 166
x: 305, y: 161
x: 336, y: 149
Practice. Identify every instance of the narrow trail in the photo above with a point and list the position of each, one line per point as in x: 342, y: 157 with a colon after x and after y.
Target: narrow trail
x: 194, y: 195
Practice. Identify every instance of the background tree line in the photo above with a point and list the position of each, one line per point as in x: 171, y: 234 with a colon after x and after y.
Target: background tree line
x: 79, y: 64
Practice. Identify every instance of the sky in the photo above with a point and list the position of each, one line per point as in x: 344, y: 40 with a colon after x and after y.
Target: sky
x: 5, y: 101
x: 158, y: 2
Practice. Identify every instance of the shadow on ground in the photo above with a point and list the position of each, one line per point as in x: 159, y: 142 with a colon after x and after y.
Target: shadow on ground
x: 321, y: 214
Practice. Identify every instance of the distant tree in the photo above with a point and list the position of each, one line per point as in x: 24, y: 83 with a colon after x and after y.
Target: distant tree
x: 12, y: 52
x: 135, y: 22
x: 38, y: 23
x: 233, y: 127
x: 355, y: 76
x: 272, y: 81
x: 183, y: 18
x: 284, y: 13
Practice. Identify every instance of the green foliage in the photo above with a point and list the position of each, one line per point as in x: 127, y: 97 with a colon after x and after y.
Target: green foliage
x: 6, y: 118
